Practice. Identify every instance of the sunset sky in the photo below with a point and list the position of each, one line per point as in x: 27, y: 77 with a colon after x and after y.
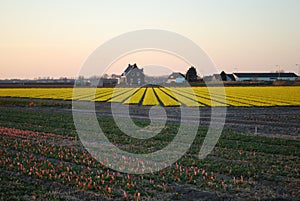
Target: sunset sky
x: 54, y: 38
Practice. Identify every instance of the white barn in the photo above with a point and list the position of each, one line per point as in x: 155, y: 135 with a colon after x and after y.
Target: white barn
x: 176, y: 77
x: 264, y: 76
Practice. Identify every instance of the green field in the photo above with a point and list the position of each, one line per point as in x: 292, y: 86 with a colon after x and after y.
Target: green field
x: 41, y: 157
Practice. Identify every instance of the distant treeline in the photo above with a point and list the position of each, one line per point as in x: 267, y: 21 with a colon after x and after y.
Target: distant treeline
x: 70, y: 85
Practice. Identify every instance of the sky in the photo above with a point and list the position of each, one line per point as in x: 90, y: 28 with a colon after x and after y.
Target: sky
x: 54, y: 38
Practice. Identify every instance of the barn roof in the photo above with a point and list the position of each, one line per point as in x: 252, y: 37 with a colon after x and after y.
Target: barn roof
x: 175, y: 75
x: 227, y: 77
x: 231, y: 77
x: 256, y: 75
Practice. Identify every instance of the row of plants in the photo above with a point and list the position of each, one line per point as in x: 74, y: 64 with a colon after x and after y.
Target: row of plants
x: 230, y: 161
x: 236, y: 96
x: 75, y: 167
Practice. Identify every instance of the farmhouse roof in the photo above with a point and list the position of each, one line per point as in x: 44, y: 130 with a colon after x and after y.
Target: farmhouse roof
x: 129, y: 68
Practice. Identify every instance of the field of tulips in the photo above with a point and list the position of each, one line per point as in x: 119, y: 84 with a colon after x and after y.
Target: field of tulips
x: 40, y: 148
x: 194, y: 97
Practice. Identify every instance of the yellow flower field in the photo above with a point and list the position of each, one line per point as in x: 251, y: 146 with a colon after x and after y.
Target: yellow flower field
x: 174, y: 96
